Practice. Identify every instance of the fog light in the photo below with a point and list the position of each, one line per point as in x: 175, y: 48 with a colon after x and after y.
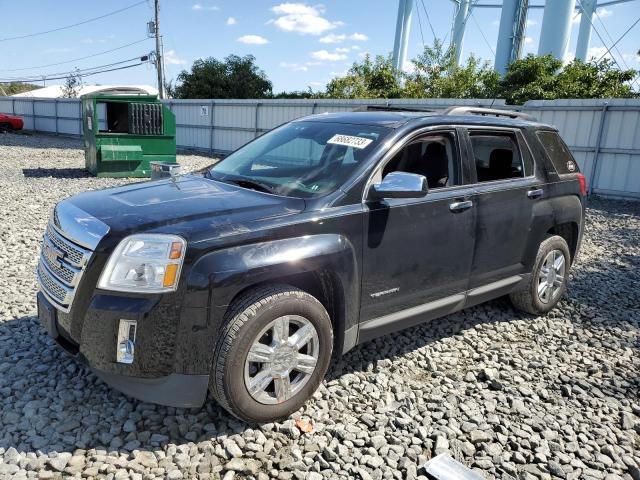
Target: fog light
x: 126, y: 341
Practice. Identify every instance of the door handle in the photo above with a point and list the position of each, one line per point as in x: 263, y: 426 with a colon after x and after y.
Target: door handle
x: 535, y: 193
x: 457, y: 207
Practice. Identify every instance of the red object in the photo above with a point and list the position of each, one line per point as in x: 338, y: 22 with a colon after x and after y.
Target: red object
x: 583, y: 184
x: 11, y: 122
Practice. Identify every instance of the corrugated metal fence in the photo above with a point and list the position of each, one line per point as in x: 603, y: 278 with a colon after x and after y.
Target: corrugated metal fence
x: 603, y: 135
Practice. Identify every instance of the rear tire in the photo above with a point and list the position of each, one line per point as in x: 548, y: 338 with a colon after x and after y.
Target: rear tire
x: 5, y: 127
x: 549, y: 278
x: 272, y: 354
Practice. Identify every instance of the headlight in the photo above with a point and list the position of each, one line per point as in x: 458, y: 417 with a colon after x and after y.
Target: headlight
x: 145, y: 263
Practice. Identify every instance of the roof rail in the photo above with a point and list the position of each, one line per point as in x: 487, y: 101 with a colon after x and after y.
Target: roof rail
x: 390, y: 108
x: 492, y: 112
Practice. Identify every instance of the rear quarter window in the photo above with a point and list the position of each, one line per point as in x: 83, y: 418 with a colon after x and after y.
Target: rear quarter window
x: 558, y: 152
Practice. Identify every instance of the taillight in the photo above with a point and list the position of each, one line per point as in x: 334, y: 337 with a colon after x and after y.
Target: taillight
x: 583, y: 184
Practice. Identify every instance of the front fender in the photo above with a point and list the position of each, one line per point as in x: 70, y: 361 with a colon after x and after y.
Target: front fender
x: 223, y: 274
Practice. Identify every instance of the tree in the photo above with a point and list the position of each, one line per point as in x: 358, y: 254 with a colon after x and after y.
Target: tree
x: 594, y: 80
x: 369, y: 79
x: 235, y: 77
x: 435, y: 75
x: 16, y: 87
x: 544, y: 78
x: 72, y: 85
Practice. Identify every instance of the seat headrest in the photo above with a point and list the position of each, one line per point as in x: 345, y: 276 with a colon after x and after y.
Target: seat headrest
x: 500, y: 160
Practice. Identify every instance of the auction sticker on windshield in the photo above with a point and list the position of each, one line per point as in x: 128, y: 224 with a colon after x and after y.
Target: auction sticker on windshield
x: 350, y: 141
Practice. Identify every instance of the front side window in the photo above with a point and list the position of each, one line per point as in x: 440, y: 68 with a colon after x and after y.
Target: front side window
x: 300, y: 159
x: 497, y: 156
x: 432, y: 156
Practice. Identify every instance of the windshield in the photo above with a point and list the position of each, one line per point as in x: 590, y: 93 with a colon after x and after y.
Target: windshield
x: 300, y: 159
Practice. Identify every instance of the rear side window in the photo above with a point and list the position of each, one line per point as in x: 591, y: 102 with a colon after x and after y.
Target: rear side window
x: 558, y: 152
x: 497, y: 156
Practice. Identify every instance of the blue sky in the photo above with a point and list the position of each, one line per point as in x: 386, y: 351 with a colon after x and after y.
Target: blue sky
x: 297, y: 44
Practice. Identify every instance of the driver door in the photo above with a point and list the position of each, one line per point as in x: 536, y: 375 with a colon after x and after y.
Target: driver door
x: 418, y: 252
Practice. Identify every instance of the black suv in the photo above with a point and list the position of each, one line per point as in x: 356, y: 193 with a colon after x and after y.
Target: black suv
x: 326, y: 232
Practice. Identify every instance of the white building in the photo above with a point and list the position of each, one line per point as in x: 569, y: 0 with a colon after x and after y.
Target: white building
x: 55, y: 91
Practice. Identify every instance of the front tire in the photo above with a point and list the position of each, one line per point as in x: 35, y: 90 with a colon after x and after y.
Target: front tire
x: 549, y: 278
x: 273, y: 352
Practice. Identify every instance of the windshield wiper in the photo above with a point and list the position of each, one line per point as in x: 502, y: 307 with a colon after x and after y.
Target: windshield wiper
x: 252, y: 184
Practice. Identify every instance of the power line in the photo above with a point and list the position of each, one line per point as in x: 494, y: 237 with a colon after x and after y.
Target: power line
x: 611, y: 38
x: 482, y: 33
x: 623, y: 35
x: 75, y: 59
x: 420, y: 25
x: 84, y: 75
x: 81, y: 72
x: 17, y: 37
x: 433, y: 32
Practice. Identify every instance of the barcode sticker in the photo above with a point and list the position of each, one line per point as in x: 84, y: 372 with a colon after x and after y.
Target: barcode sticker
x: 350, y: 141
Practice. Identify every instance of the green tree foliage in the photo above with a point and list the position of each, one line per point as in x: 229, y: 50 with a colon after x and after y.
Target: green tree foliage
x: 235, y: 77
x: 72, y: 85
x: 435, y: 75
x: 544, y: 78
x: 375, y: 78
x: 16, y: 87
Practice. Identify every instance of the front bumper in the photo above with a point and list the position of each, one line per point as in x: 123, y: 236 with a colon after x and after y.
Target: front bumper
x: 150, y: 385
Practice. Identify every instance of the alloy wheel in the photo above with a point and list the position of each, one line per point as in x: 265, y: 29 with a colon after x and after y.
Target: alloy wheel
x: 281, y: 359
x: 551, y: 276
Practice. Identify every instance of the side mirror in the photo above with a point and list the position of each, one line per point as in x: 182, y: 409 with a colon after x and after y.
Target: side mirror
x: 399, y: 185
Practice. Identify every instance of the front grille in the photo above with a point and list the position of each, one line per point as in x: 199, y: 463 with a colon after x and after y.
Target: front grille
x: 74, y: 254
x: 53, y: 288
x: 60, y: 268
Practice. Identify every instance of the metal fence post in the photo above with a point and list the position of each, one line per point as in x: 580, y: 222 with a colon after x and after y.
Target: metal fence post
x: 55, y: 103
x: 211, y: 124
x: 255, y: 128
x: 13, y: 106
x: 594, y: 165
x: 33, y: 114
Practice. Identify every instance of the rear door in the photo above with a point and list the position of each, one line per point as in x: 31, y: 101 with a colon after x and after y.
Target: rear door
x: 506, y: 189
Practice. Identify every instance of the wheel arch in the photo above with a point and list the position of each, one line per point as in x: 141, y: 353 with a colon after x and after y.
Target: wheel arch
x: 324, y: 266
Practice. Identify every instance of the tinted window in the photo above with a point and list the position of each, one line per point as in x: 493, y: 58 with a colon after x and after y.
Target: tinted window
x: 301, y: 159
x: 497, y: 156
x: 433, y: 156
x: 558, y: 152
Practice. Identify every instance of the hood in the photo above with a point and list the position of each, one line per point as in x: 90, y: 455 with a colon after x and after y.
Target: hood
x: 192, y: 206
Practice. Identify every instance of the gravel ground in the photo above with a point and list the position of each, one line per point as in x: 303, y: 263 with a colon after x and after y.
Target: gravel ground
x: 511, y: 395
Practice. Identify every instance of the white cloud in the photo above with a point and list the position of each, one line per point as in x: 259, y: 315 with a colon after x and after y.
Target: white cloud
x: 495, y: 22
x: 595, y: 53
x: 253, y: 40
x: 343, y: 49
x: 327, y: 56
x: 231, y: 21
x: 296, y: 67
x: 531, y: 23
x: 316, y: 84
x: 172, y: 58
x: 631, y: 57
x: 199, y: 7
x: 576, y: 19
x: 92, y: 40
x: 528, y: 40
x: 302, y: 18
x: 333, y: 38
x: 604, y: 12
x: 358, y: 37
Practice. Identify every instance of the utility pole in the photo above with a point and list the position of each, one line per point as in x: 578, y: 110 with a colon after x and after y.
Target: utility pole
x: 159, y: 51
